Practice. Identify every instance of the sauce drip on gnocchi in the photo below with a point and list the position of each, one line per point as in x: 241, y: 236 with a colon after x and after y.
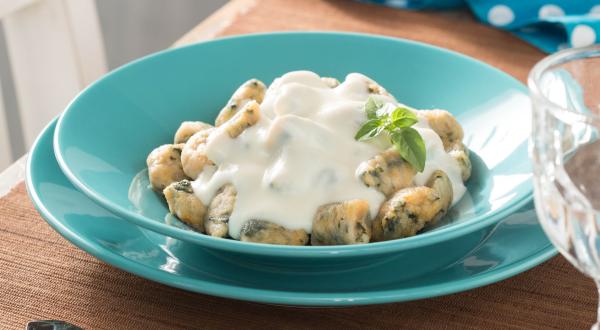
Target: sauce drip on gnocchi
x: 281, y: 166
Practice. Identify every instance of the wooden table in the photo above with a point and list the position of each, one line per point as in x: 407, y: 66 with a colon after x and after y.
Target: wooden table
x: 44, y: 277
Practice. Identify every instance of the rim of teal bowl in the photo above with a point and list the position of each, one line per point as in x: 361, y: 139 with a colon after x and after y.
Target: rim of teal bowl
x: 426, y: 238
x: 274, y: 296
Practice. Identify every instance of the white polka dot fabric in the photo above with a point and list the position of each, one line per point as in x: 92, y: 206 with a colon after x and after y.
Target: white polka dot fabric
x: 548, y: 25
x: 500, y: 15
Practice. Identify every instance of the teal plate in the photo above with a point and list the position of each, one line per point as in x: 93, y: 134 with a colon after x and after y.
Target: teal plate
x: 103, y: 137
x: 515, y: 244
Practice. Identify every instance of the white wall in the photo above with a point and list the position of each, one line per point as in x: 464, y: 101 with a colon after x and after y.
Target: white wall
x: 131, y: 29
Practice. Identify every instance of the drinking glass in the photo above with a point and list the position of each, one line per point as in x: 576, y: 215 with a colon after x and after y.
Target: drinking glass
x: 565, y: 95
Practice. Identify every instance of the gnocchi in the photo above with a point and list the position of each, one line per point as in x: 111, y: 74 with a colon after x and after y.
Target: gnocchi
x: 354, y: 192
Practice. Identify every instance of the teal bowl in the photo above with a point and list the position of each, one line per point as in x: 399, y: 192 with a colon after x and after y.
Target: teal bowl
x: 516, y: 244
x: 103, y: 137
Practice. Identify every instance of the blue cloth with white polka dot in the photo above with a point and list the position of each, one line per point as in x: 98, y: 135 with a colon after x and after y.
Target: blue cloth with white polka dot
x: 548, y: 25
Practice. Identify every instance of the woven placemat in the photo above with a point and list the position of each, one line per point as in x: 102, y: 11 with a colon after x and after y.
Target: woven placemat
x: 42, y: 276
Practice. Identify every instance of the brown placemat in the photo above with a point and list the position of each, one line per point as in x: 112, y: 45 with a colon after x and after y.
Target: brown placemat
x: 42, y: 276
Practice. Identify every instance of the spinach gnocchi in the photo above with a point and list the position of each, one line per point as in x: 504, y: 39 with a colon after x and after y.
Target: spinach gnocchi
x: 281, y: 165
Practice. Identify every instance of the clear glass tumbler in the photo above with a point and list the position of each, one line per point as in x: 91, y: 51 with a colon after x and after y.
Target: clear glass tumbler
x: 565, y: 94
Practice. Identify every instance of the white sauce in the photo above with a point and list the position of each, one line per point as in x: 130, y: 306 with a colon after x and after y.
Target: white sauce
x: 301, y: 154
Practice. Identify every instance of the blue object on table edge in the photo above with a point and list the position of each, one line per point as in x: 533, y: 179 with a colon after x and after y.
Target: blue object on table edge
x: 548, y: 25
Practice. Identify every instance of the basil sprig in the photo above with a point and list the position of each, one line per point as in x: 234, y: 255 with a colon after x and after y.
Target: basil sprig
x: 397, y: 123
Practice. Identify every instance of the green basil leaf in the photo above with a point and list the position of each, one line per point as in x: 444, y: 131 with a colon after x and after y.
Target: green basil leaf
x: 376, y: 132
x: 411, y: 146
x: 397, y: 123
x: 371, y: 107
x: 369, y: 130
x: 403, y: 117
x: 404, y: 122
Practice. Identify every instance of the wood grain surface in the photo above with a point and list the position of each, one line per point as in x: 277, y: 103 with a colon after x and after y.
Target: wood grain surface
x: 42, y: 276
